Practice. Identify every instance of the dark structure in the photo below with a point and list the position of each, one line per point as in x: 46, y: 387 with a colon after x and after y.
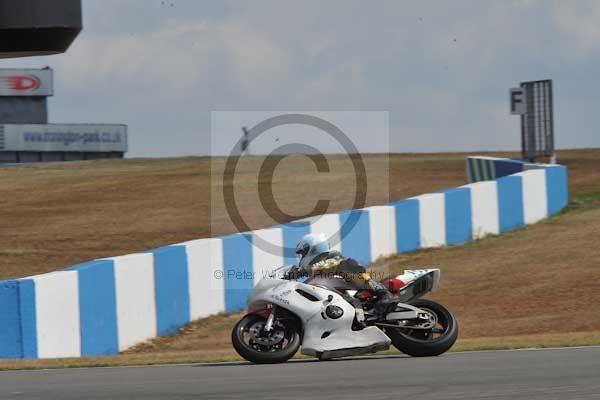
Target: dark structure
x: 23, y: 110
x: 38, y: 27
x: 34, y: 28
x: 537, y: 123
x: 26, y: 136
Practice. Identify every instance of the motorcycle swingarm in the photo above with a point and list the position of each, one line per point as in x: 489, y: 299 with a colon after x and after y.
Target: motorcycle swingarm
x: 409, y: 312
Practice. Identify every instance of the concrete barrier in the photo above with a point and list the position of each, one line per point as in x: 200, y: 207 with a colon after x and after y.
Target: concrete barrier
x: 480, y: 168
x: 105, y: 306
x: 484, y: 209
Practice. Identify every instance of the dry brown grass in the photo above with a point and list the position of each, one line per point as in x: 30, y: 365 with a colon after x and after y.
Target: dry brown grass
x: 542, y: 292
x: 56, y: 215
x: 538, y: 280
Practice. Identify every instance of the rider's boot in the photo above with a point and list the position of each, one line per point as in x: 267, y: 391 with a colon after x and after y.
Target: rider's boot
x: 385, y: 299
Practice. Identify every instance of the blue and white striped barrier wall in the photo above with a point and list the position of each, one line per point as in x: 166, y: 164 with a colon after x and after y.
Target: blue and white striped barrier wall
x: 105, y: 306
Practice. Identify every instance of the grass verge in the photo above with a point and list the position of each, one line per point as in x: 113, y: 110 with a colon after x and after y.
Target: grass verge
x: 569, y: 339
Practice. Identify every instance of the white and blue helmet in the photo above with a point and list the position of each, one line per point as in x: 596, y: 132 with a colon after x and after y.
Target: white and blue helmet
x: 311, y: 246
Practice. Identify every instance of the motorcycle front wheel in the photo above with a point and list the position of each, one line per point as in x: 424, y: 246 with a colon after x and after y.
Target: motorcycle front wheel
x: 254, y: 344
x: 440, y: 336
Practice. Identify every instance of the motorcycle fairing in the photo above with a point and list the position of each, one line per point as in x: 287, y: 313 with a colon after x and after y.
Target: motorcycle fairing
x: 417, y: 283
x: 323, y: 336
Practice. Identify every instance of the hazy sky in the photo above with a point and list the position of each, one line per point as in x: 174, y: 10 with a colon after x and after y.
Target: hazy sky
x: 441, y: 69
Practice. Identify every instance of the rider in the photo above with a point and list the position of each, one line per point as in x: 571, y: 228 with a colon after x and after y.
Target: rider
x: 316, y: 257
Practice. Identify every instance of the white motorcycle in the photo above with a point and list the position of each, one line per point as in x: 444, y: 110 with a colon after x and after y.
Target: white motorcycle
x: 331, y: 317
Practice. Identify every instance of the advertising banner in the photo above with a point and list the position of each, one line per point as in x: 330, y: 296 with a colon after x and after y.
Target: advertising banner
x: 64, y: 137
x: 26, y: 82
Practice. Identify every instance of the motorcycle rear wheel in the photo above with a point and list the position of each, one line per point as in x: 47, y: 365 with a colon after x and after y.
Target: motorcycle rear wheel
x: 420, y: 343
x: 259, y: 347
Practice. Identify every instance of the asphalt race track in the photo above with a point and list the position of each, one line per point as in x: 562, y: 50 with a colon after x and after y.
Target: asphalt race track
x: 525, y: 374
